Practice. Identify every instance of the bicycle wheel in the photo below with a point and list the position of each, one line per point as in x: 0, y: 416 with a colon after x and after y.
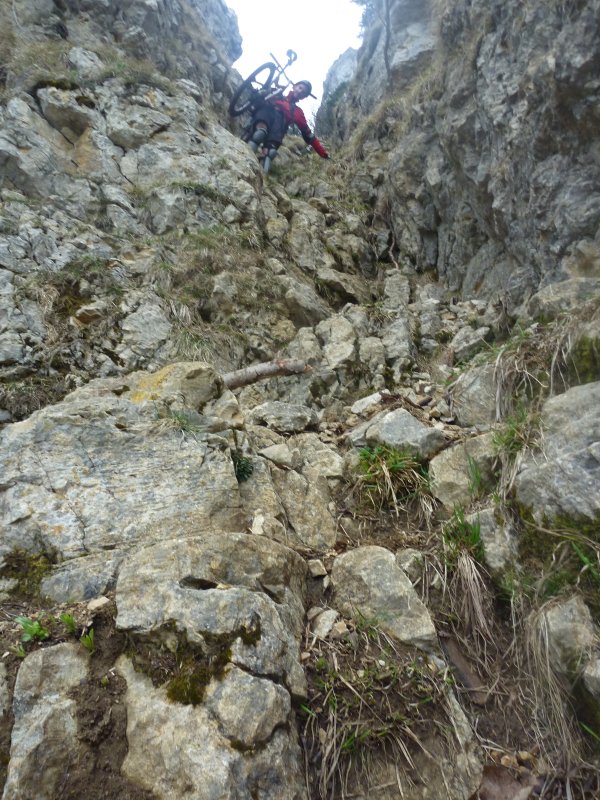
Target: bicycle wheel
x: 260, y: 79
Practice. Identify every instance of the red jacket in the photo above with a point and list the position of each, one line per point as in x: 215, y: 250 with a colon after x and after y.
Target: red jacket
x: 294, y: 114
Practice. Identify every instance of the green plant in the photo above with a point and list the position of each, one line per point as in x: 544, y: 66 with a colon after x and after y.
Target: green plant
x: 18, y: 651
x: 87, y: 640
x: 242, y: 466
x: 32, y: 629
x: 475, y: 478
x: 514, y: 434
x: 461, y: 536
x: 68, y: 620
x: 393, y: 478
x: 185, y: 421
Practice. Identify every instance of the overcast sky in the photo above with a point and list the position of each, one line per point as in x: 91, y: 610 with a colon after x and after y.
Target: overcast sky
x: 318, y: 30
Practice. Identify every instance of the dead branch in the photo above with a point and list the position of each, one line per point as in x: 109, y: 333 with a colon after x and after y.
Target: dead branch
x: 259, y: 372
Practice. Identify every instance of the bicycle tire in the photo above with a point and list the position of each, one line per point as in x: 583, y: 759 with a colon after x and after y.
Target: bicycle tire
x: 242, y: 98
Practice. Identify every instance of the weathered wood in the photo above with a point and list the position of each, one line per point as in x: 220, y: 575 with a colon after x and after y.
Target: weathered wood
x: 259, y: 372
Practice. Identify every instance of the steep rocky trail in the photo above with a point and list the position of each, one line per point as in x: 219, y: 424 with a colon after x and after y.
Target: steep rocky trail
x: 376, y: 578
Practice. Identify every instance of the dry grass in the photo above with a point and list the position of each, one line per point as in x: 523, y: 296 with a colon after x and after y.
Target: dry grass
x: 393, y: 479
x: 395, y: 114
x: 551, y: 711
x: 27, y: 61
x: 370, y: 701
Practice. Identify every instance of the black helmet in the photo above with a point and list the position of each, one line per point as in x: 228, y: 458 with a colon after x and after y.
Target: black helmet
x: 308, y: 85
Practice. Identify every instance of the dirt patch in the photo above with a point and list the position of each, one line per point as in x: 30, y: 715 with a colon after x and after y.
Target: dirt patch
x: 101, y: 712
x: 102, y: 720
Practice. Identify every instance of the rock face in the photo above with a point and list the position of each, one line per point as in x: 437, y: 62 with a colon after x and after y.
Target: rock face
x: 503, y: 124
x: 204, y: 591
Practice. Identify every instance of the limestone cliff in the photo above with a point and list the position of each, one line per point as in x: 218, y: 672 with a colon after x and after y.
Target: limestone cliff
x: 481, y: 119
x: 377, y: 575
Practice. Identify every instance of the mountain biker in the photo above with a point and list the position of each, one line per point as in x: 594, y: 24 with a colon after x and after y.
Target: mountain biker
x: 272, y: 119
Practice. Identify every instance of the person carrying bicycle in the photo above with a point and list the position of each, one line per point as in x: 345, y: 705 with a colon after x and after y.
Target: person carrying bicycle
x: 272, y: 118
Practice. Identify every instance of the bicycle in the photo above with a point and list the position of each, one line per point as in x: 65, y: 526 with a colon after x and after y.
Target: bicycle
x: 261, y: 85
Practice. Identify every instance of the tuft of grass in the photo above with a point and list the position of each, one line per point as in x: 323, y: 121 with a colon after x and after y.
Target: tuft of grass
x: 460, y: 536
x: 518, y: 432
x: 476, y: 481
x: 551, y: 718
x: 367, y: 696
x: 182, y: 420
x: 389, y: 478
x: 514, y: 435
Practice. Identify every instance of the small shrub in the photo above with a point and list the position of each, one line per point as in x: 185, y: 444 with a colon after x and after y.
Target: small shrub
x: 242, y: 466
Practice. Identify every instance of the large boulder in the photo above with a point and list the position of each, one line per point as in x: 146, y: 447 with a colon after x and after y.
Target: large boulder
x: 369, y: 582
x: 563, y: 487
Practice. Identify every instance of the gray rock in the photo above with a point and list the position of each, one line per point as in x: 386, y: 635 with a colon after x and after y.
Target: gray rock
x: 318, y: 459
x: 473, y: 397
x: 498, y: 538
x: 63, y: 468
x: 303, y: 303
x: 144, y: 332
x: 221, y: 585
x: 248, y: 709
x: 159, y: 733
x: 591, y: 677
x: 398, y: 342
x: 411, y: 562
x: 564, y: 481
x: 368, y: 403
x: 322, y: 625
x: 571, y: 634
x: 459, y: 473
x: 368, y: 581
x: 281, y: 455
x: 398, y: 428
x: 346, y: 288
x: 306, y: 503
x: 283, y: 417
x: 560, y: 298
x: 468, y: 342
x: 131, y: 125
x: 45, y: 734
x: 82, y: 578
x: 85, y: 62
x: 338, y: 339
x: 66, y: 113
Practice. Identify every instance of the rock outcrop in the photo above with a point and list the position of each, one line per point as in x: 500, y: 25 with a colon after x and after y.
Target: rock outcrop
x: 299, y: 585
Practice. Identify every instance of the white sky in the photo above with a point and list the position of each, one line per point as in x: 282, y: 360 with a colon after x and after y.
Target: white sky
x: 318, y: 30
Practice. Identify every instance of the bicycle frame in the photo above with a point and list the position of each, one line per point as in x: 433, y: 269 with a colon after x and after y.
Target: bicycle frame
x: 265, y: 82
x: 277, y: 88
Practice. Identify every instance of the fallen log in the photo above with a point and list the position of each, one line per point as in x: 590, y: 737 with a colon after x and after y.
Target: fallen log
x: 268, y: 369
